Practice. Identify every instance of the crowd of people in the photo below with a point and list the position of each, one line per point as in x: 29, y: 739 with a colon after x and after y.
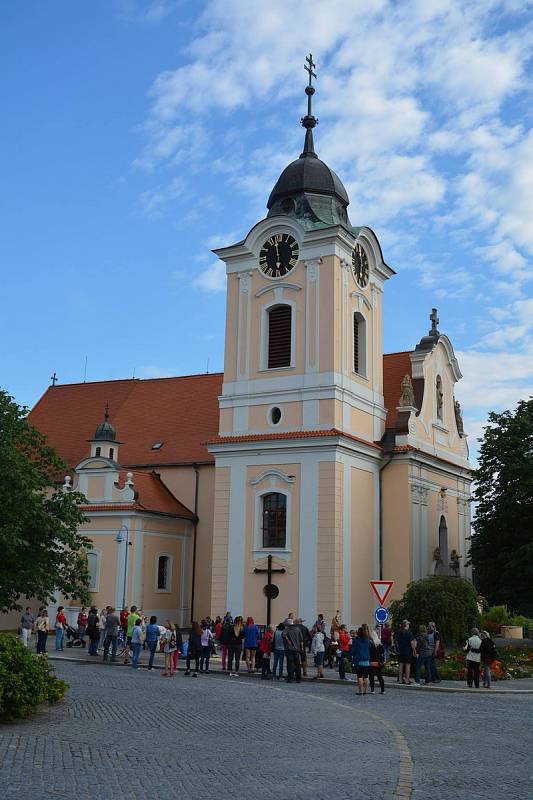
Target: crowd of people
x: 290, y: 645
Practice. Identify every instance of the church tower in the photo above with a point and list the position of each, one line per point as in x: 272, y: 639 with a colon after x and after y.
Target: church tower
x: 301, y: 410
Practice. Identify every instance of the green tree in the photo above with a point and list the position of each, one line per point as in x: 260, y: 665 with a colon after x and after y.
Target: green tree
x: 501, y: 550
x: 452, y: 603
x: 41, y: 550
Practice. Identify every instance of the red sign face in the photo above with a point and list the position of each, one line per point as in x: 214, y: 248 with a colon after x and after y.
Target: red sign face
x: 381, y: 589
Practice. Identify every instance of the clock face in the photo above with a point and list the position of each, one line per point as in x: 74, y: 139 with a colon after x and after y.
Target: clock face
x: 360, y: 265
x: 278, y: 255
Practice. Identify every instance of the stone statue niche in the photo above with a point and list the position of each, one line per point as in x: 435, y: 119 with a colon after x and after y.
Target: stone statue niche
x: 437, y: 567
x: 454, y: 563
x: 407, y: 398
x: 458, y: 417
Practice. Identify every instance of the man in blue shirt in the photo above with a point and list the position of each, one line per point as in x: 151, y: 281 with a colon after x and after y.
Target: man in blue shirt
x: 153, y: 634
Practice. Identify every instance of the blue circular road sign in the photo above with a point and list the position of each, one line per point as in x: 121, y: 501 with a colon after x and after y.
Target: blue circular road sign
x: 381, y: 614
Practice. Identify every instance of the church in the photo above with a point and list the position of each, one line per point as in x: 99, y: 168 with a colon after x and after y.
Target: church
x: 313, y: 465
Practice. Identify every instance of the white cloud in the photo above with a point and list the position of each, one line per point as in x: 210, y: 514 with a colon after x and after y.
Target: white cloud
x: 154, y: 200
x: 212, y: 279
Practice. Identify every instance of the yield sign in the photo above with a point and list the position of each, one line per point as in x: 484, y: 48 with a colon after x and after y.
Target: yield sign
x: 381, y: 589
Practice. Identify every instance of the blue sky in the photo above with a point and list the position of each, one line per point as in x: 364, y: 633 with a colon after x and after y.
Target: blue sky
x: 137, y: 135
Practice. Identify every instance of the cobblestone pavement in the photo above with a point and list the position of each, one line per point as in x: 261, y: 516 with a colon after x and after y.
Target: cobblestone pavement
x: 125, y: 734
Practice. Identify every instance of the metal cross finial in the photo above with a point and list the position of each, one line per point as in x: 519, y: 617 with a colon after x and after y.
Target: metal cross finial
x: 54, y: 379
x: 309, y: 66
x: 106, y: 412
x: 434, y: 319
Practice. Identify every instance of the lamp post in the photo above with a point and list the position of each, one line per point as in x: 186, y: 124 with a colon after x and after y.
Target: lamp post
x: 120, y: 538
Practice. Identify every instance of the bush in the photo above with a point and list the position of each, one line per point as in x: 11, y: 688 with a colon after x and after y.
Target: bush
x: 499, y: 614
x: 452, y: 603
x: 26, y: 680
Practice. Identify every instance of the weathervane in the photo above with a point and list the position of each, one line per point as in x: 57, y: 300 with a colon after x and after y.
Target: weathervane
x: 309, y: 121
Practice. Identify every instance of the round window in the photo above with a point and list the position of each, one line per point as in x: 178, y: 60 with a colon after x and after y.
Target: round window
x: 275, y: 415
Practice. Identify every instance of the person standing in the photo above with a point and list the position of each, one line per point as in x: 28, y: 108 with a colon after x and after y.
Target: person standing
x: 345, y: 643
x: 206, y: 638
x: 179, y: 647
x: 318, y: 650
x: 235, y: 639
x: 83, y: 618
x: 294, y: 644
x: 360, y: 654
x: 136, y: 642
x: 60, y: 626
x: 153, y: 634
x: 41, y: 626
x: 224, y: 635
x: 194, y: 649
x: 488, y: 655
x: 101, y: 623
x: 133, y: 616
x: 336, y: 623
x: 251, y: 641
x: 377, y: 660
x: 265, y: 648
x: 306, y: 636
x: 124, y: 614
x: 93, y: 631
x: 423, y: 649
x: 386, y: 640
x: 27, y: 622
x: 406, y: 644
x: 169, y: 639
x: 278, y: 646
x: 111, y: 634
x: 473, y: 658
x: 433, y: 637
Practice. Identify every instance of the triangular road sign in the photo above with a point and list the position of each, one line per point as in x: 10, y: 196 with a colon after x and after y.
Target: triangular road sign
x: 381, y: 589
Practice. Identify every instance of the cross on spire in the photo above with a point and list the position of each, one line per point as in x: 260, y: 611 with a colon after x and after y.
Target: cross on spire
x: 106, y: 412
x: 434, y: 320
x: 309, y: 121
x: 54, y: 379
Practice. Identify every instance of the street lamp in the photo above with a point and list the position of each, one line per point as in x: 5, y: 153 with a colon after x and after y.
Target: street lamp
x: 120, y: 538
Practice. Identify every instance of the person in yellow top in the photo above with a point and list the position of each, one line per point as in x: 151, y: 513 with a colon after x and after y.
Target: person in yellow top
x: 133, y: 616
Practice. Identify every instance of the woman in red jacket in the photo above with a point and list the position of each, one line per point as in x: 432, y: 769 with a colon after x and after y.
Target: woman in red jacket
x: 265, y: 648
x: 345, y: 643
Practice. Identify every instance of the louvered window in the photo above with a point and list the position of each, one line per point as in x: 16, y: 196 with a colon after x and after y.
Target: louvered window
x: 279, y: 337
x: 274, y: 520
x: 355, y: 343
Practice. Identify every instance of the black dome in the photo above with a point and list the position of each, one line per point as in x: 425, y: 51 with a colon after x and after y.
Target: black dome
x: 105, y: 432
x: 308, y: 174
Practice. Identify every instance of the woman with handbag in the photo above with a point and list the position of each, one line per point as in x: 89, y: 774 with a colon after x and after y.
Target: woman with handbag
x: 377, y: 660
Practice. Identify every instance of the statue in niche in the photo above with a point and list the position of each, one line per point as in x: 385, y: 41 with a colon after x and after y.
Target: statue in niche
x: 408, y: 396
x: 454, y: 563
x: 458, y: 417
x: 439, y: 396
x: 438, y: 564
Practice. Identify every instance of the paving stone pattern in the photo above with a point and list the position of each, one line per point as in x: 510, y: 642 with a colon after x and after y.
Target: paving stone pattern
x: 126, y: 734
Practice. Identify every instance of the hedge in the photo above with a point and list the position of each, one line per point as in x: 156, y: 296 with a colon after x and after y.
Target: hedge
x: 26, y: 680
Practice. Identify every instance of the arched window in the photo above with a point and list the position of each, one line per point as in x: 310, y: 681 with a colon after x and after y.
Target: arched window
x: 163, y: 573
x: 439, y: 397
x: 98, y: 451
x: 443, y: 546
x: 279, y: 336
x: 359, y: 344
x: 92, y: 568
x: 274, y: 520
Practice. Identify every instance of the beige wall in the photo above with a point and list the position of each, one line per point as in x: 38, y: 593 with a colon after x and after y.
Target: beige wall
x: 220, y: 541
x: 396, y: 530
x: 329, y: 547
x: 181, y: 481
x: 363, y: 544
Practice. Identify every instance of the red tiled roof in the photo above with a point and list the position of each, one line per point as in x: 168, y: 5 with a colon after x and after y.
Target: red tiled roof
x: 153, y: 495
x: 395, y: 366
x: 266, y: 437
x: 180, y: 412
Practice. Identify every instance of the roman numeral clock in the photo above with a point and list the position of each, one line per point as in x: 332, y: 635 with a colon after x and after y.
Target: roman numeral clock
x: 278, y: 256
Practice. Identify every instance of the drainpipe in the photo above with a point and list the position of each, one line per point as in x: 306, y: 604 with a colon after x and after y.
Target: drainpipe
x: 380, y: 531
x: 194, y: 535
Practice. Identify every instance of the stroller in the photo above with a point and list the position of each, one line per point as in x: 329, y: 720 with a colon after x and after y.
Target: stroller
x: 73, y: 638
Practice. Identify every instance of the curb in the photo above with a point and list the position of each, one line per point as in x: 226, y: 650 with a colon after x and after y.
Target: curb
x: 328, y: 681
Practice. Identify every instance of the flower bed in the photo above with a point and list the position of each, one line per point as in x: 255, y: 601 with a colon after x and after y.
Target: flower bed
x: 513, y: 663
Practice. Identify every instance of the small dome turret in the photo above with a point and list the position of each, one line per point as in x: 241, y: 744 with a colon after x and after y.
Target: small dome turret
x: 105, y: 432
